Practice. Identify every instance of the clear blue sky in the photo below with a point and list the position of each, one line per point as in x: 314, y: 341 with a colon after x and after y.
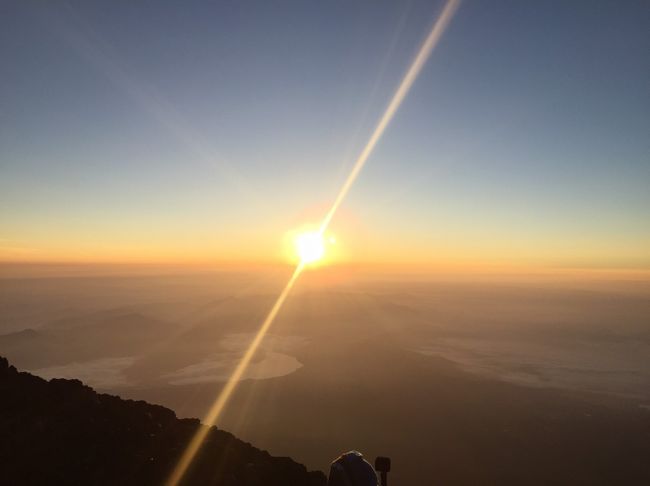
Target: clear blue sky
x: 214, y: 127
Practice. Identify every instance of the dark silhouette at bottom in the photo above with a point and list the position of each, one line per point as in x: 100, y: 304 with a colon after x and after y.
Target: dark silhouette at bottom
x: 60, y: 432
x: 351, y: 469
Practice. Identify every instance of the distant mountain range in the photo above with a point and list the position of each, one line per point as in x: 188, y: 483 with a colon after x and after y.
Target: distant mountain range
x: 63, y: 432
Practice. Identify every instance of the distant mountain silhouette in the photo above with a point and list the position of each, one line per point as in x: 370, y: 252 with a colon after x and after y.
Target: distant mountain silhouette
x: 63, y: 432
x: 85, y: 338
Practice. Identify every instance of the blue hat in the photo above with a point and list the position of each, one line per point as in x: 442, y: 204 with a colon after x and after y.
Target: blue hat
x: 351, y: 469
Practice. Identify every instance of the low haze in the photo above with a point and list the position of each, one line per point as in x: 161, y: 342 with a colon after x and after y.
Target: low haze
x: 382, y: 362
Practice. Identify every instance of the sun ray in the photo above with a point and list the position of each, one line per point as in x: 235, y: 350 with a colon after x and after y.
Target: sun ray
x: 409, y: 78
x: 222, y: 399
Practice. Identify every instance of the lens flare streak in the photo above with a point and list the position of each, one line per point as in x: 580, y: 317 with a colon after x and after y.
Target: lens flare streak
x: 222, y: 399
x: 409, y: 78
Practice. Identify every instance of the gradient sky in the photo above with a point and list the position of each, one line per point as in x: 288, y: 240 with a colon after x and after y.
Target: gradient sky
x: 204, y: 131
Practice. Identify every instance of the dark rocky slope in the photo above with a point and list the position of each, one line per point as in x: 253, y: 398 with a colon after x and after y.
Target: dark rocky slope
x: 63, y: 432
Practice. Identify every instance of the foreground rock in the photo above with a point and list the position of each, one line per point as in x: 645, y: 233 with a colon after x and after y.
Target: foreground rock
x: 63, y: 432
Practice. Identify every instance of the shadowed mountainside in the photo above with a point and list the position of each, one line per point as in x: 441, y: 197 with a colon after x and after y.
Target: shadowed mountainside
x: 63, y: 432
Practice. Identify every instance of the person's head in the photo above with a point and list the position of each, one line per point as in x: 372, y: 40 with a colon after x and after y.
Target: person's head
x: 351, y: 469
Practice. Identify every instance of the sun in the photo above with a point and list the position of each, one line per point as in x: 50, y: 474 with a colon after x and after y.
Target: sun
x: 310, y: 247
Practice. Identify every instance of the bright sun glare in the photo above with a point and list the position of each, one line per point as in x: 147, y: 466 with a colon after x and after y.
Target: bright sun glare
x: 310, y: 247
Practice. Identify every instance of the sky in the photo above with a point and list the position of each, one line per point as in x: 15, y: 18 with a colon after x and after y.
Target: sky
x: 209, y: 131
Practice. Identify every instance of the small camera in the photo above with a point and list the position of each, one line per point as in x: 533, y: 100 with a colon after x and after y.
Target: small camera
x: 382, y: 464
